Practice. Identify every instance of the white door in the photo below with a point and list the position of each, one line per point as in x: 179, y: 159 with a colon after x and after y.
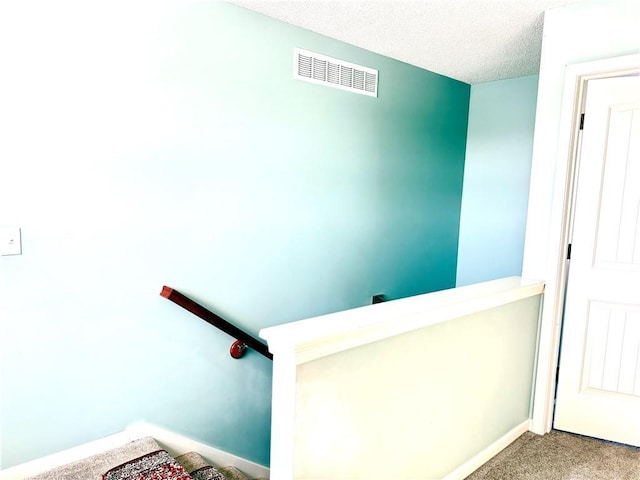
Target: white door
x: 599, y: 383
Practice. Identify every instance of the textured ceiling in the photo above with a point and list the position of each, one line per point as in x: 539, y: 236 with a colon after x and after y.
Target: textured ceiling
x: 470, y: 40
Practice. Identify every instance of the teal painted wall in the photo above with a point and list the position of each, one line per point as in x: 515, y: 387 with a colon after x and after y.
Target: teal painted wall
x: 496, y: 179
x: 152, y: 143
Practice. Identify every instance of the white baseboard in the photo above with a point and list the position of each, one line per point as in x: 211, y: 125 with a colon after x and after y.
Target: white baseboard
x: 174, y: 443
x: 177, y: 444
x: 488, y: 453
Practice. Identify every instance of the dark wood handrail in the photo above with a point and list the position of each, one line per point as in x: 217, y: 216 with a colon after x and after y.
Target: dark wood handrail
x: 218, y: 322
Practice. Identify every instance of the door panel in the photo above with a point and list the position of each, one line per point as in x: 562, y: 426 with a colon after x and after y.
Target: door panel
x: 599, y: 382
x: 618, y: 242
x: 613, y: 340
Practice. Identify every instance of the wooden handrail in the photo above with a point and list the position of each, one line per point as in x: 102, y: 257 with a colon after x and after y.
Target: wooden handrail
x: 244, y: 339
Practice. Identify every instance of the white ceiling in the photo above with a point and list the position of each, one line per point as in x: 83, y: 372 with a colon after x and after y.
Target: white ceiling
x: 470, y: 40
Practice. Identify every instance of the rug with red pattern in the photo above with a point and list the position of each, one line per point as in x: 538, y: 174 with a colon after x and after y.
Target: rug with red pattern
x: 152, y: 466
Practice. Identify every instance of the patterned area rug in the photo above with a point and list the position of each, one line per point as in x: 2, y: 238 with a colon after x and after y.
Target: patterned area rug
x: 198, y: 467
x: 157, y: 465
x: 232, y: 473
x: 207, y: 473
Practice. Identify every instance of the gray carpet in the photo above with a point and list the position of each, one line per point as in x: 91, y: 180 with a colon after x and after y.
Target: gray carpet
x: 561, y: 456
x: 93, y: 467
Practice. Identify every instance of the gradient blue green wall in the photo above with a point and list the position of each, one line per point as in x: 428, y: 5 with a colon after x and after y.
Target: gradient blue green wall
x: 496, y: 179
x: 152, y: 143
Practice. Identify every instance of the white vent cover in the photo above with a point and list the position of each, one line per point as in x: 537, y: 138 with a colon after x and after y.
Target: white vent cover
x: 316, y: 68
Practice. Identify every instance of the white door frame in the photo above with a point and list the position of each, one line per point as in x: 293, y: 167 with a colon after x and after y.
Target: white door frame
x: 556, y: 269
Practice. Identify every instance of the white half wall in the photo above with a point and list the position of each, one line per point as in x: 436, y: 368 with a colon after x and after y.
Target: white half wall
x: 423, y: 403
x: 427, y: 385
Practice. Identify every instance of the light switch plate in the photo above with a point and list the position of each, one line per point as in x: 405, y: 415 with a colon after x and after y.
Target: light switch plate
x: 10, y: 242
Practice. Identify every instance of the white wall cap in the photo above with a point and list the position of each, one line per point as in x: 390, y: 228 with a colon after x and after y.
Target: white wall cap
x: 327, y: 334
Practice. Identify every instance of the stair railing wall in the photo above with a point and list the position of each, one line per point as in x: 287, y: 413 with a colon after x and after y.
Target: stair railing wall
x: 424, y: 387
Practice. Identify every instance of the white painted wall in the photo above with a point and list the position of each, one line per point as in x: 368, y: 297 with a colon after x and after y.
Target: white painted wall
x: 578, y: 33
x: 582, y: 32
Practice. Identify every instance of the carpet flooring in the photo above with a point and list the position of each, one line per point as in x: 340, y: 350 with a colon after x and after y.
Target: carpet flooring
x: 93, y: 467
x: 562, y: 456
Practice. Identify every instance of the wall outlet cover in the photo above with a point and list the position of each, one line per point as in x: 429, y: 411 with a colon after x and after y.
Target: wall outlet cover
x: 10, y: 241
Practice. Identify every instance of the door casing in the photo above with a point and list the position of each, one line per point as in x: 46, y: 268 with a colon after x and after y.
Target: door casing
x: 574, y: 95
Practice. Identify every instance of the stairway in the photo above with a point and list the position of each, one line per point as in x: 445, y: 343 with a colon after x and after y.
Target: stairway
x: 142, y: 459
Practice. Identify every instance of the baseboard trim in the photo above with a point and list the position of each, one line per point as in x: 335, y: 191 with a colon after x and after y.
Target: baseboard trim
x: 174, y: 443
x: 177, y: 444
x: 488, y: 453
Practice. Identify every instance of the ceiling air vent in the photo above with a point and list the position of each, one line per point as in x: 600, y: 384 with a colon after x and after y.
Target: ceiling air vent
x: 316, y: 68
